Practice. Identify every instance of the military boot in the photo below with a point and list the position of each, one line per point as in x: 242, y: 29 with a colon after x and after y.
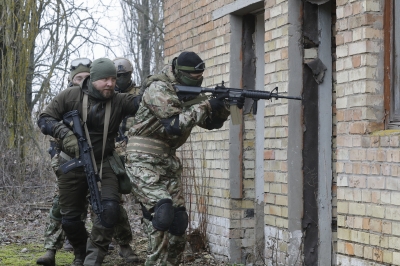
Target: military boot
x: 67, y: 246
x: 48, y: 259
x: 80, y: 254
x: 126, y: 252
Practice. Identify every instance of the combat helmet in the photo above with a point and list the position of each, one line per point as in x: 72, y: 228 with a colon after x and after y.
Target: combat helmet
x: 123, y: 65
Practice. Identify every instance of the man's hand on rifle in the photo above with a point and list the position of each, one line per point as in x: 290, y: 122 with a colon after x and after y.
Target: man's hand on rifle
x: 240, y: 102
x: 217, y: 104
x: 70, y: 144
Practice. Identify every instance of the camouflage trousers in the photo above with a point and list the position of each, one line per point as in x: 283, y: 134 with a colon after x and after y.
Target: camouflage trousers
x: 154, y: 178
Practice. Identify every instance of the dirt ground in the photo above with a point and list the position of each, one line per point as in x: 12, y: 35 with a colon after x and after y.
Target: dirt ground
x: 21, y: 237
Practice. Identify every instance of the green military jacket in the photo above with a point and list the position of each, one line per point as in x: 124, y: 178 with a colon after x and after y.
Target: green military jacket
x: 122, y: 104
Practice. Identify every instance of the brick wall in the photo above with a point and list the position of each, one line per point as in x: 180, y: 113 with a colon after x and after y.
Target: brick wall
x: 367, y: 156
x: 276, y: 133
x: 189, y: 26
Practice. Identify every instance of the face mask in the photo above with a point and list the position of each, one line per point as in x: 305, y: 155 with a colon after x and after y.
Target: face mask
x: 186, y: 79
x: 123, y: 82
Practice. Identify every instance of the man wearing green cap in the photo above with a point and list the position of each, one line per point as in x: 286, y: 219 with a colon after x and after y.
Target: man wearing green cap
x: 97, y: 92
x: 162, y: 124
x: 54, y: 235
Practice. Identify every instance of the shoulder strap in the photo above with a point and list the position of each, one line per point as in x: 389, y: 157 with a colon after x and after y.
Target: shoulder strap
x: 105, y: 131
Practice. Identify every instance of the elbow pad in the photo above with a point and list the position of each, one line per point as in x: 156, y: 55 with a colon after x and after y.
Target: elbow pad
x: 171, y: 125
x: 46, y: 125
x: 50, y: 126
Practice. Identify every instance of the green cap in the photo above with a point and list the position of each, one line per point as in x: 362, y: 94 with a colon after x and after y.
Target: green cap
x: 77, y: 70
x: 102, y: 68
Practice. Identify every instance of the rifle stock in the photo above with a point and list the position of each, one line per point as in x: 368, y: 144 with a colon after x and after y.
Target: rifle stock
x: 233, y: 95
x: 72, y: 120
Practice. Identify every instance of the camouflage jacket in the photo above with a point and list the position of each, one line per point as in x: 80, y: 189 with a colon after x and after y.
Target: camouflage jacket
x: 160, y: 101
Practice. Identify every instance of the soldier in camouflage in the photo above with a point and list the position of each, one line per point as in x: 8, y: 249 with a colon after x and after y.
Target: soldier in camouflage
x: 125, y: 84
x: 161, y: 125
x: 122, y: 230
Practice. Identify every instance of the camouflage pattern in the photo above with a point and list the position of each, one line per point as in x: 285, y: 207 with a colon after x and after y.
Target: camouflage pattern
x: 120, y: 146
x: 54, y: 235
x: 158, y: 176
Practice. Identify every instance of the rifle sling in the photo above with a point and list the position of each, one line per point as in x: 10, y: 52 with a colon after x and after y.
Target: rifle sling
x: 105, y: 132
x: 194, y: 101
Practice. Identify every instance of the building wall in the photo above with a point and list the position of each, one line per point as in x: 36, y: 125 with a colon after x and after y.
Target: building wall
x: 367, y: 156
x: 231, y: 222
x: 276, y: 134
x: 189, y: 27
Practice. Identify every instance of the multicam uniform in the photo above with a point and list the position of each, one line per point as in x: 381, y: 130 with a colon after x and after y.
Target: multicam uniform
x: 121, y: 140
x: 153, y: 167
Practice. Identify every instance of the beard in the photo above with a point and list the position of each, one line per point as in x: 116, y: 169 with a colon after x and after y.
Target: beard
x: 107, y: 93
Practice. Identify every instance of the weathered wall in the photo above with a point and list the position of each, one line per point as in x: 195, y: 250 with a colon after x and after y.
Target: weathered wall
x: 231, y: 222
x: 367, y: 158
x: 189, y: 27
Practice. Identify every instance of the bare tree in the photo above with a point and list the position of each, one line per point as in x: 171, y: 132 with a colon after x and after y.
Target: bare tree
x: 65, y: 28
x: 143, y: 32
x: 37, y: 40
x: 18, y: 30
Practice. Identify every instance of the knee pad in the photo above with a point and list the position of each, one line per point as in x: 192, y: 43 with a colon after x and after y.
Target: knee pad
x: 180, y: 222
x: 71, y: 225
x: 55, y: 211
x: 110, y: 215
x: 163, y: 215
x: 74, y: 229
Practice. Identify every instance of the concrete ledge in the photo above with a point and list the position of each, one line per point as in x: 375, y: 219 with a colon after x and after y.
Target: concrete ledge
x: 239, y: 7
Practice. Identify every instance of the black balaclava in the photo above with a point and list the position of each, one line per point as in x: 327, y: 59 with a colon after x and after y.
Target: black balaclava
x: 186, y: 63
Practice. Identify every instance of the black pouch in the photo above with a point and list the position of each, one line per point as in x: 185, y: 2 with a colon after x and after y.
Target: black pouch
x: 124, y: 183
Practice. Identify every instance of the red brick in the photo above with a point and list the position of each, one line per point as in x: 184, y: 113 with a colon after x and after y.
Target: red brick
x: 377, y: 254
x: 357, y: 128
x: 339, y: 39
x: 350, y: 249
x: 365, y: 223
x: 356, y: 60
x: 269, y: 155
x: 375, y: 126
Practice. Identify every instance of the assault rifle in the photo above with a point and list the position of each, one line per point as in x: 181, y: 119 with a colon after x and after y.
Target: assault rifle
x: 85, y: 159
x: 233, y: 95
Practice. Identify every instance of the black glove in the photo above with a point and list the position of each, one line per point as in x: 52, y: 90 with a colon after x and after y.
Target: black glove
x: 215, y: 123
x: 216, y: 104
x: 240, y: 102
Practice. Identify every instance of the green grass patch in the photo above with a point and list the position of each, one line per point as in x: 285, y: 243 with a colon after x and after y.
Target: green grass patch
x: 12, y: 255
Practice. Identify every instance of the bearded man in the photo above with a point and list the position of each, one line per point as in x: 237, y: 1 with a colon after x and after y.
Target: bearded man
x: 91, y: 99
